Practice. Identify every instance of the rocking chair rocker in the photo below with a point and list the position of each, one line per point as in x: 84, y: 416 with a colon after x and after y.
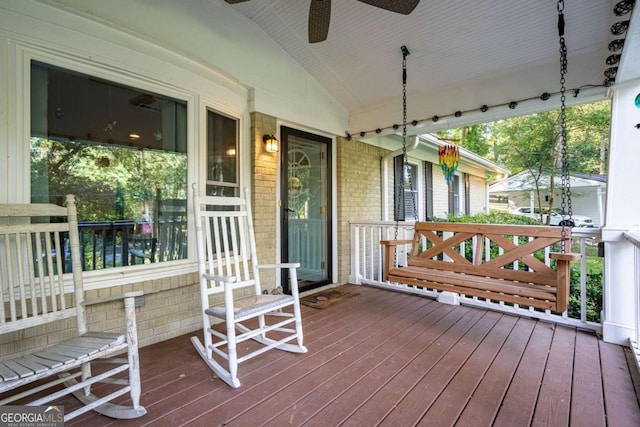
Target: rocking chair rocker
x: 228, y: 268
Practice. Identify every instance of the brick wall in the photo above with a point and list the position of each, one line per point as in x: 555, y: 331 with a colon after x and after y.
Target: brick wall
x: 359, y: 182
x: 263, y: 198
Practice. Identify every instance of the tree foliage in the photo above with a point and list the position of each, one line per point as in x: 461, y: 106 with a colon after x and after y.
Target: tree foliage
x: 532, y: 143
x: 110, y: 182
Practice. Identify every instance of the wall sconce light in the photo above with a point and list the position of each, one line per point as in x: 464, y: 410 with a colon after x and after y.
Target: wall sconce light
x: 271, y: 143
x: 231, y: 151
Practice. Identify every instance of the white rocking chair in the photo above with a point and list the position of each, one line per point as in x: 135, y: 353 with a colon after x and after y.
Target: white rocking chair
x: 228, y: 268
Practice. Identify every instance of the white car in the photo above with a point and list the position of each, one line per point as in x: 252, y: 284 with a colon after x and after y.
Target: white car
x: 556, y: 218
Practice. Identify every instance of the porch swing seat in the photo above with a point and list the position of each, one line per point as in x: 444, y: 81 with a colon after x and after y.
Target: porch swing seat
x: 230, y: 290
x: 515, y: 275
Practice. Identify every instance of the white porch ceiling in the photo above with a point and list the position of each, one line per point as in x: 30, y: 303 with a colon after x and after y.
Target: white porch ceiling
x: 463, y: 53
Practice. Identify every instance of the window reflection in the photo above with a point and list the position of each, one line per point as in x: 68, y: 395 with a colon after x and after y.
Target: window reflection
x: 122, y: 152
x: 222, y: 150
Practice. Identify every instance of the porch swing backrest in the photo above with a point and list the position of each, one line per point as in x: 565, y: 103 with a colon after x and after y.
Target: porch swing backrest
x: 514, y: 276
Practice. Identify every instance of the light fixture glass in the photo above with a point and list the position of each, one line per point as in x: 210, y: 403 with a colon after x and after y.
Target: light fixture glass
x: 271, y: 143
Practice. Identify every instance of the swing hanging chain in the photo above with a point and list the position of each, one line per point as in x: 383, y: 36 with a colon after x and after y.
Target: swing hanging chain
x: 405, y: 157
x: 565, y: 179
x: 401, y: 186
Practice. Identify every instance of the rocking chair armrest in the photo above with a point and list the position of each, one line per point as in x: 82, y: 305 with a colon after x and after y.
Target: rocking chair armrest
x: 281, y: 265
x: 111, y: 298
x: 395, y: 242
x: 220, y: 278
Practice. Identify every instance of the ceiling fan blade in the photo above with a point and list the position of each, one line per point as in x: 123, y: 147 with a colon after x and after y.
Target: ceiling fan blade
x: 235, y: 1
x: 319, y: 19
x: 404, y: 7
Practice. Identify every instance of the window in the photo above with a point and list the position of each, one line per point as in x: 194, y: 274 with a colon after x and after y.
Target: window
x: 428, y: 189
x: 222, y: 155
x: 405, y: 190
x: 122, y: 152
x: 454, y: 196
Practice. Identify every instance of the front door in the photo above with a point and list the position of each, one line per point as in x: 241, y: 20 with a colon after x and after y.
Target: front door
x: 305, y: 206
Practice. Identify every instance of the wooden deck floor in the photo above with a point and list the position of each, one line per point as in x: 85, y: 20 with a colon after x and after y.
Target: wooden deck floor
x: 391, y: 359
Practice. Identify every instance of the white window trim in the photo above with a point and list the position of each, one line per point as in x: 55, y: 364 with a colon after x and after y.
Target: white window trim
x: 418, y: 181
x: 20, y: 56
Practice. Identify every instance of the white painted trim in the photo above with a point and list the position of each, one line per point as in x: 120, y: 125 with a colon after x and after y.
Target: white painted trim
x: 616, y: 333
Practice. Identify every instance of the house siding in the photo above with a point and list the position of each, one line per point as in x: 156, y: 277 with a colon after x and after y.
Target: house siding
x: 264, y: 184
x: 477, y: 194
x: 440, y: 195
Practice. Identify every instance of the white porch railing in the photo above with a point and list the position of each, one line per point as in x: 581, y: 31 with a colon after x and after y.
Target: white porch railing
x: 367, y: 268
x: 634, y: 237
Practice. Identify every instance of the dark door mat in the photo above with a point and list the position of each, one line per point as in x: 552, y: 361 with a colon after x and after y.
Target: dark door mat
x: 327, y: 298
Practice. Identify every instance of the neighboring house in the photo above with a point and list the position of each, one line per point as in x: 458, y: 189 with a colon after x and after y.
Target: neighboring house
x: 588, y: 192
x: 430, y: 195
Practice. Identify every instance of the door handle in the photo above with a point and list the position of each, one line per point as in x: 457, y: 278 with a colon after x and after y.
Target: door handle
x: 289, y: 210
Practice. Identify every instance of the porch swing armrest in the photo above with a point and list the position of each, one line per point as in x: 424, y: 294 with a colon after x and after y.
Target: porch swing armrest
x: 570, y: 257
x: 280, y: 265
x: 563, y: 277
x: 396, y: 242
x: 389, y: 254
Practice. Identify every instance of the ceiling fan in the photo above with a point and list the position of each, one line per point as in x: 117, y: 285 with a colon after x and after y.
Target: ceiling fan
x: 320, y: 13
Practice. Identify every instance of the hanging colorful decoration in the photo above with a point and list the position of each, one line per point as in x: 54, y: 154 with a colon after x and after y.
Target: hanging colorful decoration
x: 449, y: 158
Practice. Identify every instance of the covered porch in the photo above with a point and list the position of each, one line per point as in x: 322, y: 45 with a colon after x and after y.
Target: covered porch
x: 382, y: 357
x: 389, y: 358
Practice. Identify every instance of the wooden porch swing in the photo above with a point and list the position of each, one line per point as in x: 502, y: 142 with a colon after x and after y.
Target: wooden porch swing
x: 504, y: 263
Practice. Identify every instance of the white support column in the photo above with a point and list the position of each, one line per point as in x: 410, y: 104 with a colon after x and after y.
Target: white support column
x: 622, y: 207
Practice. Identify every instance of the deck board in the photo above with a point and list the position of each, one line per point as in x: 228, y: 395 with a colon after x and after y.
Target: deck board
x: 433, y: 381
x: 386, y: 358
x: 587, y: 406
x: 617, y: 386
x: 453, y: 399
x: 363, y: 375
x: 552, y: 407
x: 302, y: 377
x: 485, y: 402
x: 520, y: 400
x: 375, y: 397
x: 350, y: 364
x: 322, y: 331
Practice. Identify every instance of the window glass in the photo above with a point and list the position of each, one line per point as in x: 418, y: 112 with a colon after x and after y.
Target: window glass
x: 454, y: 196
x: 122, y: 152
x: 222, y: 154
x: 406, y: 194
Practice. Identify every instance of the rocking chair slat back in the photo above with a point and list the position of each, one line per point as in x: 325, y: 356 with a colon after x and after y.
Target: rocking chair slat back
x: 226, y: 242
